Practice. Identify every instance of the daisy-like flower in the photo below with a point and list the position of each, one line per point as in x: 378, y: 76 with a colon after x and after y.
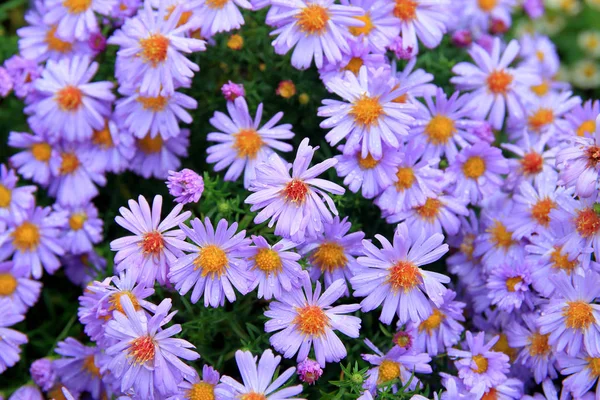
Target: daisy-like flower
x: 316, y: 28
x: 70, y: 106
x: 393, y: 276
x: 276, y: 271
x: 535, y: 351
x: 34, y: 242
x: 242, y: 143
x: 579, y: 163
x: 462, y: 262
x: 360, y: 54
x: 544, y: 116
x: 509, y: 285
x: 395, y: 364
x: 207, y: 387
x: 11, y: 340
x: 571, y: 317
x: 508, y: 389
x: 479, y: 364
x: 23, y: 73
x: 217, y: 16
x: 296, y: 202
x: 76, y: 19
x: 16, y: 286
x: 582, y: 118
x: 258, y: 380
x: 442, y: 329
x: 477, y: 172
x: 496, y: 86
x: 306, y: 319
x: 422, y: 19
x: 154, y: 245
x: 15, y: 202
x: 84, y: 228
x: 147, y: 352
x: 445, y: 126
x: 539, y: 52
x: 480, y: 15
x: 155, y: 157
x: 82, y: 269
x: 582, y: 373
x: 381, y: 26
x: 416, y: 81
x: 368, y: 117
x: 33, y: 162
x: 186, y: 186
x: 333, y: 254
x: 151, y: 51
x: 112, y: 148
x: 78, y: 367
x: 153, y: 115
x: 217, y: 263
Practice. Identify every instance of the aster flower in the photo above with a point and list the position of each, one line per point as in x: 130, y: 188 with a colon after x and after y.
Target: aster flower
x: 146, y: 351
x: 309, y: 371
x: 480, y: 15
x: 84, y: 228
x: 276, y: 271
x: 71, y: 107
x: 83, y: 268
x: 219, y: 15
x: 380, y: 24
x: 495, y: 85
x: 416, y: 81
x: 539, y: 52
x: 305, y: 319
x: 15, y: 202
x: 232, y: 91
x: 16, y: 286
x: 477, y: 172
x: 207, y: 387
x: 571, y: 318
x: 34, y: 242
x: 155, y: 157
x: 151, y: 51
x: 393, y: 276
x: 368, y: 117
x: 423, y: 20
x: 258, y: 378
x: 316, y: 28
x: 43, y: 374
x: 333, y: 254
x: 77, y: 368
x: 462, y: 262
x: 535, y: 351
x: 582, y: 118
x: 360, y: 54
x: 582, y: 373
x: 295, y: 203
x: 153, y: 115
x: 76, y: 19
x: 154, y: 245
x: 242, y: 143
x: 23, y: 73
x: 112, y: 148
x: 186, y: 186
x: 11, y: 340
x: 509, y: 389
x: 509, y: 286
x: 216, y: 264
x: 479, y: 364
x: 34, y: 161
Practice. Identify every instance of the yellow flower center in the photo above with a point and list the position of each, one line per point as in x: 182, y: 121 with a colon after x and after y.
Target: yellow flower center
x: 429, y: 210
x: 115, y: 301
x: 183, y: 19
x: 503, y: 347
x: 69, y: 98
x: 329, y: 256
x: 212, y: 260
x: 253, y: 396
x: 482, y: 364
x: 150, y: 145
x: 26, y: 237
x: 41, y: 151
x: 5, y: 196
x: 77, y: 220
x: 286, y: 89
x: 366, y: 111
x: 368, y: 162
x: 491, y: 394
x: 8, y: 284
x: 406, y: 178
x: 578, y: 315
x: 363, y: 30
x: 587, y: 222
x: 532, y: 163
x: 295, y: 191
x: 388, y: 370
x: 268, y: 261
x: 487, y: 5
x: 538, y: 345
x: 405, y: 276
x: 561, y: 261
x: 541, y: 211
x: 216, y: 4
x: 235, y: 42
x: 498, y: 81
x: 153, y: 243
x: 247, y: 143
x: 89, y: 366
x: 77, y: 6
x: 313, y: 19
x: 311, y: 320
x: 474, y: 167
x: 542, y: 89
x: 154, y: 104
x: 511, y: 283
x: 500, y: 236
x: 69, y: 163
x: 433, y: 322
x: 467, y: 246
x: 540, y: 119
x: 587, y: 127
x: 102, y: 138
x: 406, y: 10
x: 56, y: 44
x: 142, y: 350
x: 354, y: 65
x: 594, y: 366
x: 440, y: 129
x: 154, y: 49
x: 201, y: 391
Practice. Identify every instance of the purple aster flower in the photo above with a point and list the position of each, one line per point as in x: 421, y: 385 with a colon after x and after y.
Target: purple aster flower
x: 258, y: 378
x: 495, y: 85
x: 276, y: 271
x: 395, y: 364
x: 74, y: 175
x: 232, y: 91
x: 316, y: 28
x: 393, y: 276
x: 582, y: 118
x: 480, y: 15
x: 151, y: 51
x: 219, y: 15
x: 442, y: 329
x: 76, y: 19
x: 112, y: 148
x: 207, y: 387
x: 27, y: 392
x: 360, y: 54
x: 509, y: 285
x: 186, y: 186
x: 147, y: 352
x: 477, y: 171
x: 124, y: 9
x: 155, y: 157
x: 296, y: 202
x: 153, y: 115
x: 368, y: 117
x: 309, y: 371
x: 381, y: 26
x: 84, y: 228
x: 479, y: 364
x: 422, y: 19
x: 444, y: 126
x: 34, y: 161
x: 217, y: 263
x: 306, y: 319
x: 154, y: 245
x: 334, y: 253
x: 77, y: 369
x: 462, y: 262
x: 508, y: 389
x: 582, y: 373
x: 539, y: 52
x: 16, y: 286
x: 43, y: 374
x: 23, y: 73
x: 535, y: 351
x: 416, y: 81
x: 242, y: 144
x: 368, y: 174
x: 6, y: 83
x: 571, y: 317
x: 11, y: 339
x: 34, y: 242
x: 15, y: 202
x: 82, y: 269
x: 71, y: 107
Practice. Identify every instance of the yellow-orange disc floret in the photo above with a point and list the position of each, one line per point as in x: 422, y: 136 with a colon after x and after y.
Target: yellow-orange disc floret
x: 69, y: 98
x: 69, y: 163
x: 532, y: 163
x: 474, y: 167
x: 404, y: 276
x: 329, y: 256
x: 295, y: 191
x: 247, y: 143
x: 212, y: 260
x: 311, y: 320
x: 538, y: 345
x: 201, y: 391
x: 432, y: 322
x: 587, y: 222
x: 150, y: 145
x: 578, y: 315
x: 388, y: 370
x: 406, y: 10
x: 142, y: 350
x: 440, y: 129
x: 499, y: 81
x: 481, y: 364
x: 5, y: 196
x: 26, y: 237
x: 362, y: 30
x: 268, y: 261
x: 540, y: 119
x: 154, y: 49
x: 367, y: 111
x: 313, y: 19
x: 540, y: 211
x: 153, y: 243
x: 8, y: 284
x: 77, y: 6
x: 430, y: 210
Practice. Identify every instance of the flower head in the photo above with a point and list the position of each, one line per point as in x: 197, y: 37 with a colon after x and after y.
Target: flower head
x: 309, y: 371
x: 78, y: 368
x: 15, y: 202
x: 33, y: 162
x: 232, y: 91
x: 186, y: 186
x: 11, y: 340
x: 43, y: 374
x: 155, y: 157
x: 16, y: 286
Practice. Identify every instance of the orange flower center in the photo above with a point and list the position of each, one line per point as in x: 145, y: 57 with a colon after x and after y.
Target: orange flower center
x: 77, y: 6
x: 295, y: 191
x: 26, y: 237
x: 102, y: 138
x: 201, y: 391
x: 593, y: 156
x: 440, y: 129
x: 77, y: 220
x: 56, y: 44
x: 212, y: 260
x: 406, y: 178
x: 368, y: 162
x: 154, y: 49
x: 154, y: 104
x: 5, y: 196
x: 41, y: 151
x: 268, y: 261
x: 69, y: 98
x: 503, y: 347
x: 354, y: 65
x: 587, y: 127
x: 153, y: 243
x: 498, y: 81
x: 311, y: 320
x: 247, y: 143
x: 150, y: 145
x: 329, y: 256
x: 367, y: 110
x: 500, y: 236
x: 406, y: 10
x: 474, y: 167
x: 404, y: 275
x: 511, y: 283
x: 216, y: 4
x: 69, y: 163
x: 541, y: 211
x: 183, y: 19
x: 487, y: 5
x: 362, y: 30
x: 433, y: 322
x: 142, y: 350
x: 430, y: 209
x: 561, y: 261
x: 538, y: 345
x: 8, y: 284
x: 594, y: 366
x: 542, y: 89
x: 115, y: 301
x: 540, y: 119
x: 89, y: 366
x: 491, y: 394
x: 532, y: 163
x: 482, y: 364
x: 313, y: 19
x: 253, y: 396
x: 578, y: 315
x: 587, y: 222
x: 467, y: 246
x: 388, y: 370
